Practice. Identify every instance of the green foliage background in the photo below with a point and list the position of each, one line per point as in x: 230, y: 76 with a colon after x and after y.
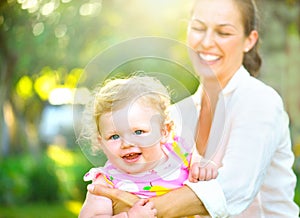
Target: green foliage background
x: 45, y: 45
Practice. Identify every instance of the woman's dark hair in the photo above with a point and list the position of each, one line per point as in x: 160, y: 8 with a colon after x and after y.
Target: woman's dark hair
x: 252, y: 60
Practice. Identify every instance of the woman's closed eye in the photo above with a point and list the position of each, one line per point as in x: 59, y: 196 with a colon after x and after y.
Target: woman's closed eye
x: 223, y: 33
x: 197, y: 26
x: 198, y: 29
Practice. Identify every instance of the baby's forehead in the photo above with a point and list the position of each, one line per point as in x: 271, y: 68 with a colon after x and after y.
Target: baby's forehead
x: 140, y: 107
x: 146, y: 101
x: 132, y: 116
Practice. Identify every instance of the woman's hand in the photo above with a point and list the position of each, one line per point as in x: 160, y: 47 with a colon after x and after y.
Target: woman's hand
x: 122, y: 201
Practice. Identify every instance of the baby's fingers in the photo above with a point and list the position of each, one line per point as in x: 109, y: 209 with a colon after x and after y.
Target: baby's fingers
x: 214, y: 173
x: 150, y: 205
x: 202, y: 174
x: 142, y: 202
x: 194, y: 173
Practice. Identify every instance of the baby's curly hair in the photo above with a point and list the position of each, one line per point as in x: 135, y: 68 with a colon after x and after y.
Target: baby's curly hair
x: 116, y: 93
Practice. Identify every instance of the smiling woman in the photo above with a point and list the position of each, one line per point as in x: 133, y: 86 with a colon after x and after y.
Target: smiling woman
x: 214, y: 32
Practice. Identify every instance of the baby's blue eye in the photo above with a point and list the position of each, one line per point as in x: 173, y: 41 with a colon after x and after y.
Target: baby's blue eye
x: 138, y: 132
x: 114, y: 137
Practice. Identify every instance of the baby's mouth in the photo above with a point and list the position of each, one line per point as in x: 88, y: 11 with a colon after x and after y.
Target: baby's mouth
x: 131, y: 157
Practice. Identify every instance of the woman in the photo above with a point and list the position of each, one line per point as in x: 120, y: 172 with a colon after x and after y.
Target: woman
x: 241, y: 120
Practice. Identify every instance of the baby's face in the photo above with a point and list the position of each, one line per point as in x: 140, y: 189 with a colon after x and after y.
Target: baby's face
x: 131, y: 137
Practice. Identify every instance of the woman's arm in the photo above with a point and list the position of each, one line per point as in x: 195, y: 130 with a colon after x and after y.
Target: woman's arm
x: 179, y: 203
x: 184, y: 201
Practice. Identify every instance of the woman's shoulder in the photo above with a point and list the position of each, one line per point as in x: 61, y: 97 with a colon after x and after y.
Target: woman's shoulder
x: 260, y: 92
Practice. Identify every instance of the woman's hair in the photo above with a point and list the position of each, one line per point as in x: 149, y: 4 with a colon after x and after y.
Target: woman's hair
x: 249, y: 13
x: 114, y: 94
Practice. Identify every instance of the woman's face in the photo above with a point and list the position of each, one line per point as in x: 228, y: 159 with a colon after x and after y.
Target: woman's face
x: 216, y: 34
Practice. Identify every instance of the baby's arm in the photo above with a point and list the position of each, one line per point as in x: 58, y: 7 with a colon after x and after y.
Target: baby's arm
x: 101, y: 207
x: 96, y: 206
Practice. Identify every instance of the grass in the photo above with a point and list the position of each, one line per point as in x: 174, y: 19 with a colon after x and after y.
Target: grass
x: 68, y: 209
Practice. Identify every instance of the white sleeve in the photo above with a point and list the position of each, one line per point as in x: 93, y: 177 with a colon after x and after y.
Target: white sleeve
x: 211, y: 195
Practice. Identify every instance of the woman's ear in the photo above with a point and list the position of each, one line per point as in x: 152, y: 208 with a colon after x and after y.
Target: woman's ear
x: 251, y: 40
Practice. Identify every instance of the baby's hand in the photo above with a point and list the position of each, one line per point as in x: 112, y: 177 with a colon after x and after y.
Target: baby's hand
x: 203, y: 171
x: 142, y: 209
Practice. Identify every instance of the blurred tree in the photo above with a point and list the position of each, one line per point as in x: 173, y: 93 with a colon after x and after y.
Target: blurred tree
x: 44, y: 43
x: 280, y: 47
x: 36, y: 38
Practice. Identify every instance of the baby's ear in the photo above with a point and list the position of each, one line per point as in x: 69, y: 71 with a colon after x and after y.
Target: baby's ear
x: 99, y: 139
x: 165, y: 132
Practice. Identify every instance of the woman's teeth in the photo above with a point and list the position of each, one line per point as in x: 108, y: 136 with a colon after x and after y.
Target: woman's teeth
x: 207, y: 57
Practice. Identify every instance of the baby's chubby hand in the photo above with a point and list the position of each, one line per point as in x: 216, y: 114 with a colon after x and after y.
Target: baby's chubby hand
x: 142, y: 209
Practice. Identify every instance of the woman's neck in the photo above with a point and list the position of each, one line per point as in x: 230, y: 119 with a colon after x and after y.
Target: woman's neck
x: 211, y: 90
x: 215, y: 84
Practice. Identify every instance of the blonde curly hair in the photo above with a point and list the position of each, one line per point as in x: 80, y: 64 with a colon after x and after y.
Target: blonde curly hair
x: 116, y: 93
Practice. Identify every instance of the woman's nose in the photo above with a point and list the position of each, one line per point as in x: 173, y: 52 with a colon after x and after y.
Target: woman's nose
x: 207, y: 39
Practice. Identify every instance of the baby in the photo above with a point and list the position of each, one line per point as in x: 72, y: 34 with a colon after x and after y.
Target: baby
x: 145, y: 156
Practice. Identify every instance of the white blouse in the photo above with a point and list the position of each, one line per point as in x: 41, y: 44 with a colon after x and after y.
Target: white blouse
x: 250, y: 127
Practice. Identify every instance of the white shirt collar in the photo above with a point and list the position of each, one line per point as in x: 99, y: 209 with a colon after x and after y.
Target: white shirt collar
x: 230, y: 87
x: 235, y: 80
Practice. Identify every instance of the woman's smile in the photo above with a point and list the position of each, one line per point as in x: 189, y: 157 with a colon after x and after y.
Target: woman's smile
x: 209, y: 57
